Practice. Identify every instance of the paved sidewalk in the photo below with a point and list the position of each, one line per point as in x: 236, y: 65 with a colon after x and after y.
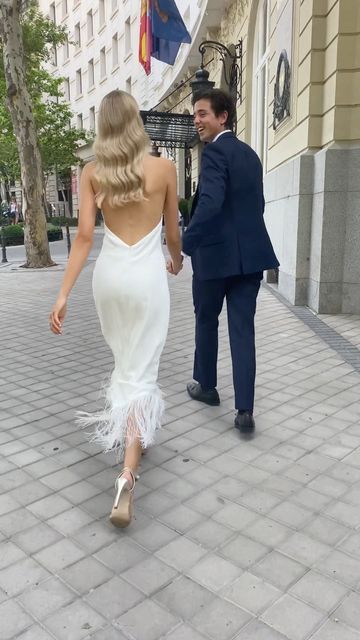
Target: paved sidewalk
x: 245, y: 540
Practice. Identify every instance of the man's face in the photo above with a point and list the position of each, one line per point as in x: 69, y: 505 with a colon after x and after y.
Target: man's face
x: 208, y: 124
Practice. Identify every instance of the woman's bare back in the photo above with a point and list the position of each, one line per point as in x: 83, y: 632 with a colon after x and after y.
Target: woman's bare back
x: 134, y: 221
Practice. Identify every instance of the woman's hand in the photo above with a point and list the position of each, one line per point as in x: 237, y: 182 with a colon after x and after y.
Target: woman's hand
x: 174, y: 267
x: 57, y: 315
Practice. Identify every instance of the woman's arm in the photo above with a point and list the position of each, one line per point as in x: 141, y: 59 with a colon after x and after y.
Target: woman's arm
x: 172, y: 231
x: 80, y: 248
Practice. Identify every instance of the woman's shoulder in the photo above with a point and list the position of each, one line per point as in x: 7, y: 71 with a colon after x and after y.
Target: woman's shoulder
x: 163, y: 166
x: 88, y: 173
x: 159, y: 162
x: 89, y: 168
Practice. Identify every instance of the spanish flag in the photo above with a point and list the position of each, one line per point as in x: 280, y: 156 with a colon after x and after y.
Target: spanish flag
x: 145, y: 42
x: 168, y: 30
x: 162, y: 30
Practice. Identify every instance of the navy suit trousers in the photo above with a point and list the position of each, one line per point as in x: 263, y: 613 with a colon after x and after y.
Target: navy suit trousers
x: 240, y: 292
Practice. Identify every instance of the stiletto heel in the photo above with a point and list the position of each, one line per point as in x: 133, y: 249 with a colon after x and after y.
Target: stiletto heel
x: 121, y: 512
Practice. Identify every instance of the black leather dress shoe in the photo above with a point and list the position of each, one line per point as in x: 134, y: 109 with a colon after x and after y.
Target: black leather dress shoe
x: 245, y: 422
x: 210, y: 397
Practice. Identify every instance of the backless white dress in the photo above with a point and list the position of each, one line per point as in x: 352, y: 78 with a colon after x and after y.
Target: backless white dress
x: 132, y: 300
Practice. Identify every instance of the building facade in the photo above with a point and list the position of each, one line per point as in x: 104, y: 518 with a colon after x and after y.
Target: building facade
x: 300, y: 110
x: 102, y: 55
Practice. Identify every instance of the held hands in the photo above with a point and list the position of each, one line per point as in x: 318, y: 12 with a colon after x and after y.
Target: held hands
x: 57, y: 315
x: 174, y: 267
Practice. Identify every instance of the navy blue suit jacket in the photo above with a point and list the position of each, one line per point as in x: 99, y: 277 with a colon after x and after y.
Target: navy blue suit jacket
x: 227, y: 234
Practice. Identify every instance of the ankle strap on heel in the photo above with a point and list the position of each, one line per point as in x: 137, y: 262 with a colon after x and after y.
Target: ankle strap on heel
x: 133, y: 478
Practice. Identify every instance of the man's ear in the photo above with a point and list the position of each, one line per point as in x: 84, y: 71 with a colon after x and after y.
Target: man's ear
x: 224, y: 117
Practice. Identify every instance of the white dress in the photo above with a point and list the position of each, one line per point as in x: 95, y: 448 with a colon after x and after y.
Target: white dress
x: 132, y: 300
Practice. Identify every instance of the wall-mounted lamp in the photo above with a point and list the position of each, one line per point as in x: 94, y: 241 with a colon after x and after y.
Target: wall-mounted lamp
x: 231, y: 57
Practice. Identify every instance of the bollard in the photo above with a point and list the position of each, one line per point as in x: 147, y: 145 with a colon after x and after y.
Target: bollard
x: 3, y: 247
x: 68, y: 239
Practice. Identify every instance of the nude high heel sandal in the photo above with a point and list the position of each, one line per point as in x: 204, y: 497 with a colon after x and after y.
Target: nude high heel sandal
x: 122, y: 510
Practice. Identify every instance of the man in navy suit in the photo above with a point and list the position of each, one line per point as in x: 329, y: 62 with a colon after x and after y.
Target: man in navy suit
x: 229, y: 248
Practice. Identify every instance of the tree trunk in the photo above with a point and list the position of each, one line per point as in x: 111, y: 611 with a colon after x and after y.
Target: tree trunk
x: 20, y: 107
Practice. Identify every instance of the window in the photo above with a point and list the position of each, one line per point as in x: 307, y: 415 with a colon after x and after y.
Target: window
x: 77, y: 36
x: 92, y: 118
x: 78, y: 82
x: 128, y: 85
x: 127, y: 36
x: 66, y: 51
x: 102, y: 63
x: 52, y: 16
x: 101, y: 13
x: 66, y: 88
x: 115, y: 51
x: 79, y: 121
x: 64, y: 9
x: 90, y: 25
x: 260, y: 80
x: 52, y: 12
x: 91, y: 74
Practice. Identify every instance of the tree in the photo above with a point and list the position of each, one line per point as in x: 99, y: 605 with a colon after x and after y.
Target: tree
x: 22, y: 117
x: 58, y: 140
x: 36, y: 137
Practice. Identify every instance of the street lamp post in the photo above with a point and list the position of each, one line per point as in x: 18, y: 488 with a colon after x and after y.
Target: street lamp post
x: 201, y: 82
x: 231, y: 58
x: 3, y: 246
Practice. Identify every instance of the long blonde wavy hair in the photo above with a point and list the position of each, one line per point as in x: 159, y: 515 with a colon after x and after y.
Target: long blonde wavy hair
x: 120, y: 147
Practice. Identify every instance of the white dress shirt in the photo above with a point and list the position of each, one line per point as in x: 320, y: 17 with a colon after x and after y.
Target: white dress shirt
x: 220, y: 134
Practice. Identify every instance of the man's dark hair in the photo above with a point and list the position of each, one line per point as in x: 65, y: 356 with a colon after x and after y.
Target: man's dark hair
x: 220, y: 101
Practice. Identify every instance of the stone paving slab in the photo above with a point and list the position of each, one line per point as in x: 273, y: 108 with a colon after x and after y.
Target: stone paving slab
x: 232, y: 539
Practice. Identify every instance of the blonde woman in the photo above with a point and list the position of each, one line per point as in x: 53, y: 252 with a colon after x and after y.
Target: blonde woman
x: 134, y: 190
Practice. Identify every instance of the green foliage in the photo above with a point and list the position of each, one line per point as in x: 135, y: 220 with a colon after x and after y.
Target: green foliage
x: 190, y: 201
x: 58, y: 141
x: 72, y: 222
x: 14, y: 234
x: 54, y: 232
x: 183, y: 207
x: 59, y: 221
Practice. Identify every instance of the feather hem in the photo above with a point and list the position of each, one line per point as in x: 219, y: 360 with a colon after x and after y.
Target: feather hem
x: 117, y: 427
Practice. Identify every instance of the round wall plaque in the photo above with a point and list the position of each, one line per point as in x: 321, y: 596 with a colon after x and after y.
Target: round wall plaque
x: 281, y: 90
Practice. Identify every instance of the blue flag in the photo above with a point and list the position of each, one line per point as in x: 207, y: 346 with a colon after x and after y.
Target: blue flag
x: 168, y: 31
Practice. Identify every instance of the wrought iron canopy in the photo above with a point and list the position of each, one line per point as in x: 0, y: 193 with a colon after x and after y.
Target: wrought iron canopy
x: 166, y: 129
